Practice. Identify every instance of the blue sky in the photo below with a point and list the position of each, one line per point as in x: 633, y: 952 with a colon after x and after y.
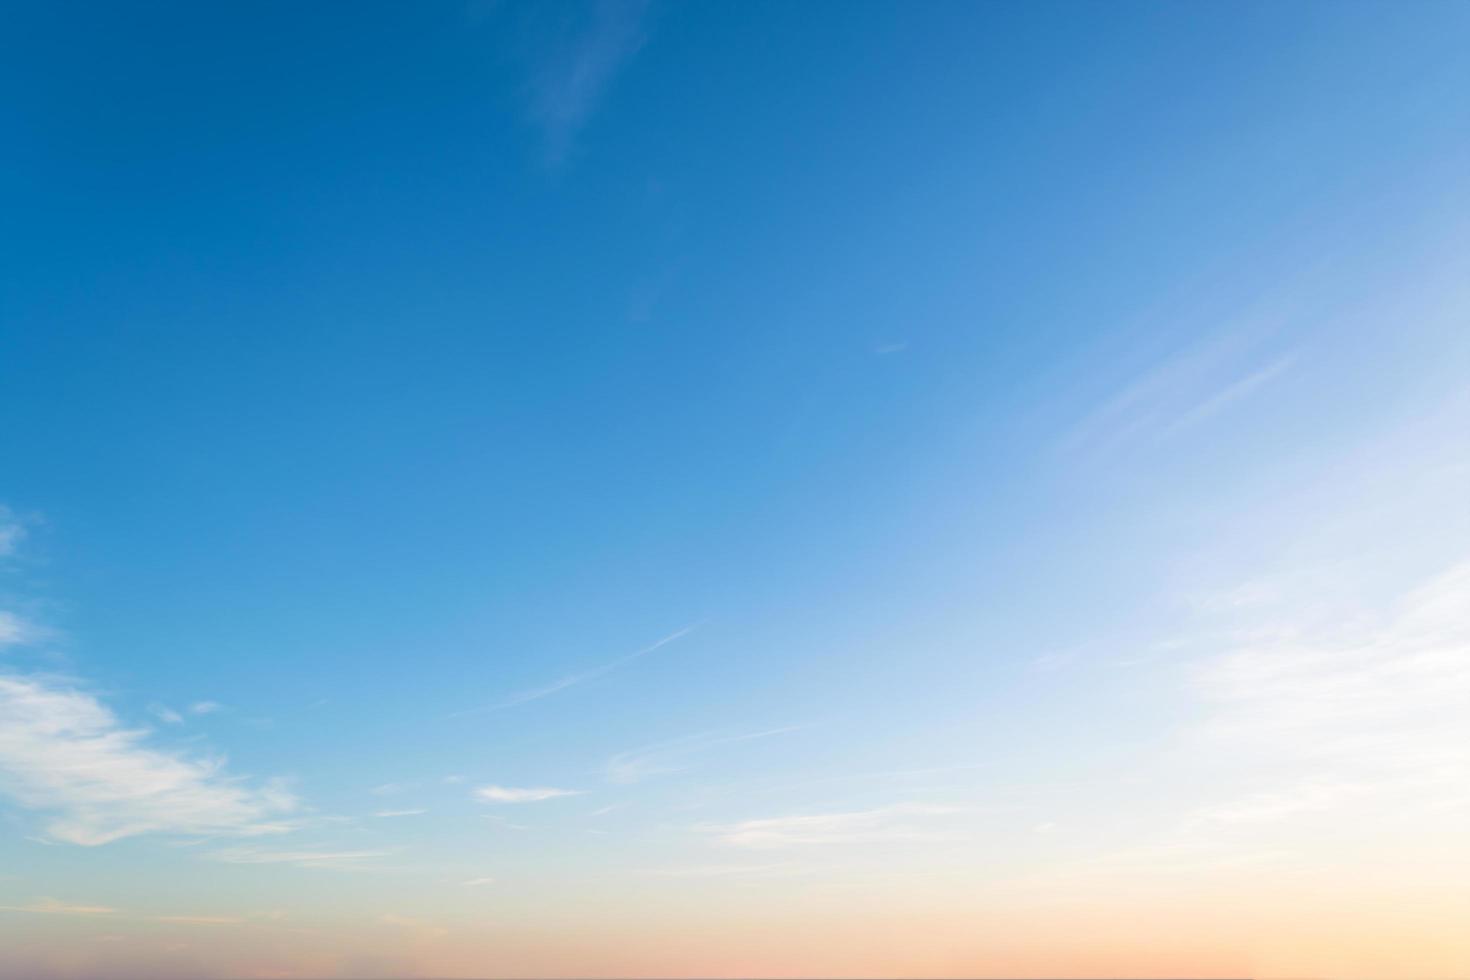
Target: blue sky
x: 680, y: 465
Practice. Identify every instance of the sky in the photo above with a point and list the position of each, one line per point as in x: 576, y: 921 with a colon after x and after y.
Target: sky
x: 734, y: 489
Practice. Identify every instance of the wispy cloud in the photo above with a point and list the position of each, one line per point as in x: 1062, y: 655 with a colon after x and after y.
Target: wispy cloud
x: 422, y: 927
x: 1353, y: 712
x: 571, y: 680
x: 63, y: 752
x: 50, y: 906
x: 205, y: 707
x: 165, y: 714
x: 572, y: 79
x: 1178, y: 394
x: 324, y: 858
x: 14, y: 630
x: 399, y: 813
x: 1232, y: 392
x: 496, y: 818
x: 478, y: 882
x: 881, y: 825
x: 674, y: 755
x: 527, y: 794
x: 11, y: 531
x: 1351, y: 678
x: 722, y: 871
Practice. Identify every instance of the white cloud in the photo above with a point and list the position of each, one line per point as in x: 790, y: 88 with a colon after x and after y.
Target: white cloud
x: 204, y: 707
x: 528, y: 794
x: 882, y: 825
x: 1351, y: 687
x: 63, y: 752
x: 1349, y: 713
x: 399, y: 813
x: 478, y: 882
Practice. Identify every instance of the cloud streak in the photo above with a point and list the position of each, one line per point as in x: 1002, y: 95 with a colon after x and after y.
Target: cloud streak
x: 571, y: 680
x: 1168, y: 401
x: 50, y: 906
x: 573, y: 80
x: 674, y: 755
x: 898, y: 823
x: 11, y: 531
x: 527, y: 794
x: 325, y: 859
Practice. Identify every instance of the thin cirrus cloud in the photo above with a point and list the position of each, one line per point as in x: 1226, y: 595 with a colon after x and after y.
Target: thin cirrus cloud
x: 572, y: 80
x: 335, y: 860
x: 675, y: 755
x: 881, y: 825
x: 169, y: 716
x: 422, y: 927
x: 723, y: 871
x: 165, y: 714
x: 11, y: 531
x: 64, y: 753
x: 14, y: 630
x: 1168, y: 399
x: 571, y: 680
x: 51, y: 906
x: 1233, y: 391
x: 1346, y: 717
x: 525, y: 794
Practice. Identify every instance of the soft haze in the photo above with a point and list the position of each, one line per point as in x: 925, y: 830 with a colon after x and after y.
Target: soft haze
x: 735, y: 489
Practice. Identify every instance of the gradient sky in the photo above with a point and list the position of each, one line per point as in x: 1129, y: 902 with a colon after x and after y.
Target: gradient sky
x: 724, y: 489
